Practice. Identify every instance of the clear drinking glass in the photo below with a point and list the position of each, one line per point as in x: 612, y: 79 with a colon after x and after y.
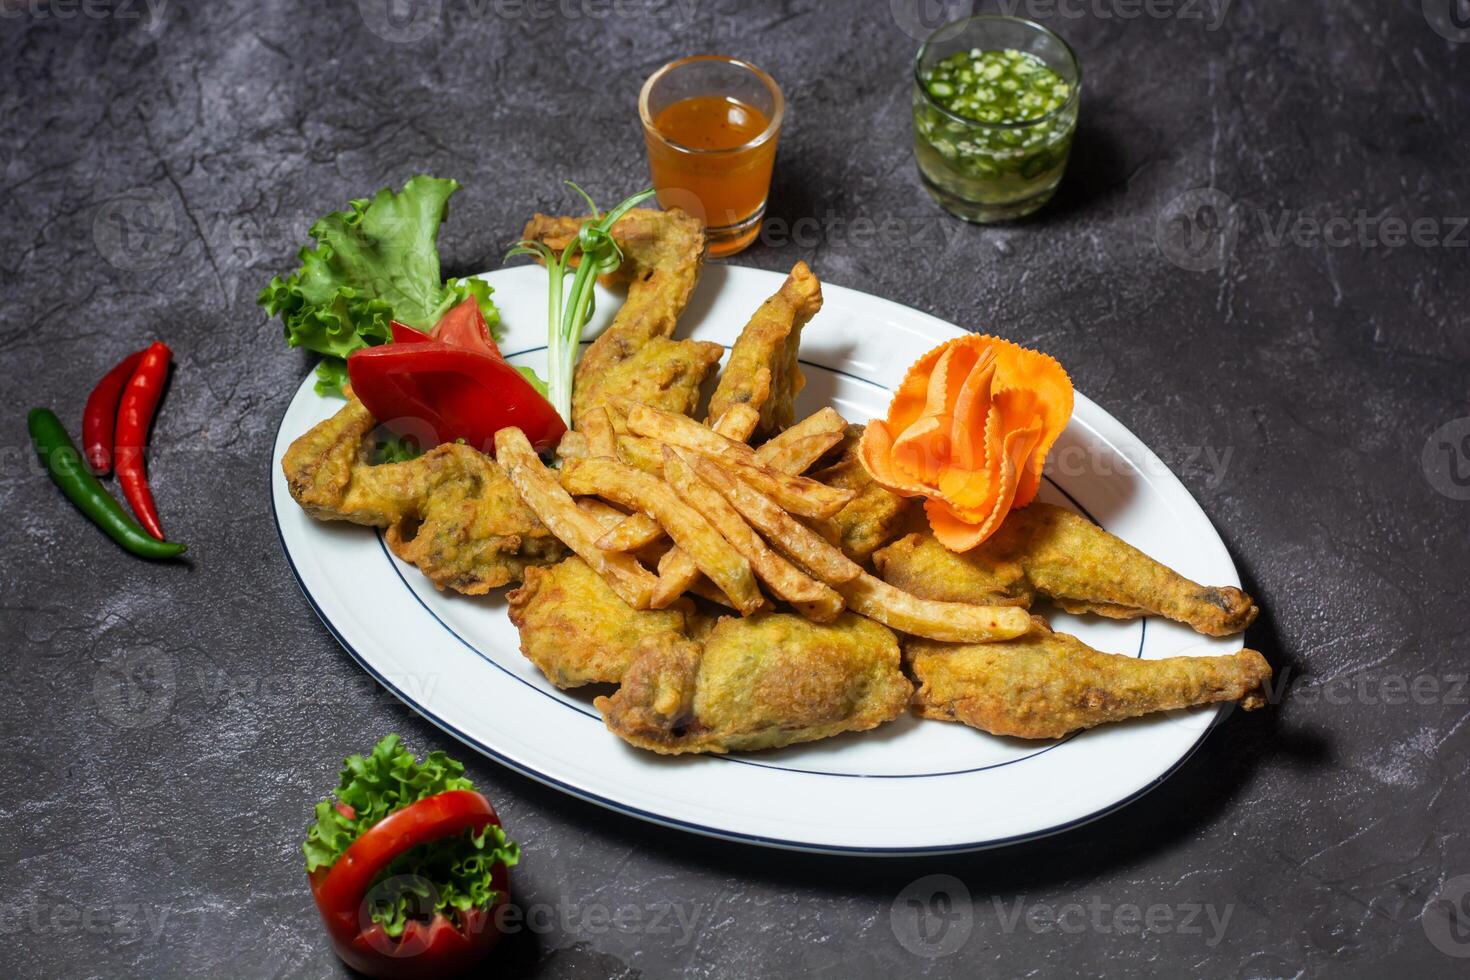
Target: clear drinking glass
x: 711, y: 124
x: 993, y: 171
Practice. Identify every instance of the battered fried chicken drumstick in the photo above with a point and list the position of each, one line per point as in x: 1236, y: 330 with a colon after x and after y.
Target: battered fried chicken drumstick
x: 1047, y: 685
x: 872, y: 518
x: 634, y: 357
x: 452, y: 511
x: 1045, y: 550
x: 758, y: 683
x: 762, y: 371
x: 577, y: 631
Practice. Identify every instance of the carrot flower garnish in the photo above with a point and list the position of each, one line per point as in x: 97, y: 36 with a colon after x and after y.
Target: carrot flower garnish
x: 969, y: 430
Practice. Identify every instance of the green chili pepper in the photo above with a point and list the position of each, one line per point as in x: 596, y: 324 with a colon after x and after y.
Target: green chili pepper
x: 60, y: 457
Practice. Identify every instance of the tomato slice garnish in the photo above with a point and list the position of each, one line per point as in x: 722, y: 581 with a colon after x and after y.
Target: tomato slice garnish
x: 440, y: 947
x: 464, y: 326
x: 450, y: 384
x: 439, y: 393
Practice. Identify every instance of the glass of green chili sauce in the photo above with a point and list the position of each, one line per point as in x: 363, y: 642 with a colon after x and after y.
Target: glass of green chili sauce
x: 995, y: 107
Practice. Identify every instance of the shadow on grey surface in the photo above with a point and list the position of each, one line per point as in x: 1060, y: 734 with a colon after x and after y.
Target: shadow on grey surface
x: 1097, y: 168
x: 1179, y: 808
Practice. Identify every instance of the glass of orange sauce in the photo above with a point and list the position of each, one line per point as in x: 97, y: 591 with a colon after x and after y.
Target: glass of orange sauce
x: 711, y: 124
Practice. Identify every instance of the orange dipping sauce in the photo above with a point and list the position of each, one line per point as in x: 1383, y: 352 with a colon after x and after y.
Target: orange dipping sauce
x: 704, y: 157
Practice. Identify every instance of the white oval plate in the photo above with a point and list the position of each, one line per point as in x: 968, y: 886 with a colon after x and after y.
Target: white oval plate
x: 907, y: 787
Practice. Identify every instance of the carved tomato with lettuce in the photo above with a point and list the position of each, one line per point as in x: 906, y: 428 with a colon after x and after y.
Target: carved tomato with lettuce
x: 408, y: 865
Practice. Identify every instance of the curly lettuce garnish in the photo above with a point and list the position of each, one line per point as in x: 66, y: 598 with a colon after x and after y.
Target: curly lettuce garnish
x: 375, y: 262
x: 457, y: 871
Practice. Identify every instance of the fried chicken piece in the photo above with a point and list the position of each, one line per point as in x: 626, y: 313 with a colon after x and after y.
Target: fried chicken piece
x: 1046, y: 550
x: 871, y: 519
x: 763, y: 371
x: 1047, y: 685
x: 663, y: 373
x: 662, y: 255
x: 757, y: 683
x: 577, y: 630
x: 452, y: 511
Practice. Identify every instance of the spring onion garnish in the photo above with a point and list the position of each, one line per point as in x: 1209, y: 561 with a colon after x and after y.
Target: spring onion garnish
x: 593, y: 253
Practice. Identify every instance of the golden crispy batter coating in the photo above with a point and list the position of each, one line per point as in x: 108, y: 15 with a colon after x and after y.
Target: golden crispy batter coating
x: 576, y: 629
x: 1047, y: 685
x: 452, y: 512
x: 763, y: 370
x: 1046, y: 550
x: 760, y: 682
x: 871, y: 519
x: 663, y: 252
x: 663, y: 373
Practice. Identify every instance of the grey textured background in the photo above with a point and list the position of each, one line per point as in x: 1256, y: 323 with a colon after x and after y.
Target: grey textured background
x: 167, y: 727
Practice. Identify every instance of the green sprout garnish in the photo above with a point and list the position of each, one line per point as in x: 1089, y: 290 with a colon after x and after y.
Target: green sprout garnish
x: 593, y: 253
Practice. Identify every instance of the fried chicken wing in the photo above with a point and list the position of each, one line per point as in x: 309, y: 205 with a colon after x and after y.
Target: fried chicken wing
x: 663, y: 252
x: 871, y: 519
x: 1046, y: 550
x: 762, y: 371
x: 452, y: 511
x: 577, y: 630
x: 1047, y: 685
x: 757, y: 683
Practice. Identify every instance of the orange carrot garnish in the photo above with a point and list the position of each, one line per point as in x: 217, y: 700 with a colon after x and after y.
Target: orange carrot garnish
x: 969, y: 430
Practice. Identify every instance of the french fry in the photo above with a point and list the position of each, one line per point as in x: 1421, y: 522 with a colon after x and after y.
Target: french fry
x: 681, y: 431
x: 605, y: 514
x: 815, y: 600
x: 631, y: 488
x: 577, y: 529
x: 702, y: 586
x: 737, y: 422
x: 634, y: 531
x: 601, y: 439
x: 640, y: 453
x: 795, y: 450
x: 573, y: 445
x: 794, y: 539
x: 797, y: 494
x: 951, y: 622
x: 638, y: 530
x: 797, y: 455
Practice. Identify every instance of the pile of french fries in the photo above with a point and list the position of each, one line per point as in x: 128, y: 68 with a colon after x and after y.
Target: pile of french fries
x: 717, y: 518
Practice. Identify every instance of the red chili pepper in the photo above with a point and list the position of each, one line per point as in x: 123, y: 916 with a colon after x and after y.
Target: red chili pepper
x: 450, y: 384
x: 441, y: 947
x: 100, y: 416
x: 134, y: 416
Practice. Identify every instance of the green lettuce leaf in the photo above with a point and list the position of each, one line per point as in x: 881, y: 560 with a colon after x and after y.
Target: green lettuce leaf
x: 376, y: 262
x: 397, y: 449
x: 456, y: 872
x: 535, y: 379
x: 331, y: 375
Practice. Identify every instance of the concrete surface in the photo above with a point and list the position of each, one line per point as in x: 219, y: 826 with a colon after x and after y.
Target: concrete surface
x: 167, y: 727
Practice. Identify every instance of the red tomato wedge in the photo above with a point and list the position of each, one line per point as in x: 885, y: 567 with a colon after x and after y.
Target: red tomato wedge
x: 442, y: 947
x: 451, y: 384
x: 464, y: 326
